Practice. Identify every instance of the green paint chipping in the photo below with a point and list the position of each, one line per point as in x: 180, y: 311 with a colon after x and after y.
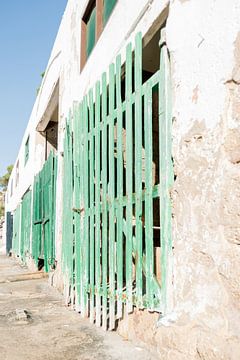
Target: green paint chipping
x: 109, y: 186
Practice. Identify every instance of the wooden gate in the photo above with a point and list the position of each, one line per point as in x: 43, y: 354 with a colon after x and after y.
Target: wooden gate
x: 44, y: 199
x: 25, y: 232
x: 116, y: 202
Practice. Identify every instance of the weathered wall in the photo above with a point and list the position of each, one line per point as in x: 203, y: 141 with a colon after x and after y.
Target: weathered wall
x: 204, y: 42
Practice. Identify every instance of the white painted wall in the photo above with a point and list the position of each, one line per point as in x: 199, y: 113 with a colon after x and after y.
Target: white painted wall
x: 201, y: 37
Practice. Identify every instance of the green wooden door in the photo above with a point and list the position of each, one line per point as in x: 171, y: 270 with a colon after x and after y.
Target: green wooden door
x: 16, y: 230
x: 44, y: 202
x: 26, y: 218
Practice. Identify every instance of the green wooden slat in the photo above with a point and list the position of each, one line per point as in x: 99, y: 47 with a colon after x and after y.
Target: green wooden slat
x: 129, y: 186
x: 138, y: 163
x: 104, y: 203
x: 91, y: 198
x: 67, y: 250
x: 65, y: 173
x: 17, y: 230
x: 166, y: 168
x: 71, y: 243
x: 25, y: 226
x: 37, y: 219
x: 97, y: 205
x: 82, y: 209
x: 148, y: 195
x: 119, y: 210
x: 111, y: 193
x: 85, y: 201
x: 55, y: 171
x: 76, y: 205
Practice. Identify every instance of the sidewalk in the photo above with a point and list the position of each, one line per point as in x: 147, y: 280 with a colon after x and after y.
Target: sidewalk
x: 35, y: 324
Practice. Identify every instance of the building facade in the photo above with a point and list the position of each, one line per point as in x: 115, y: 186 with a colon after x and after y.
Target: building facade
x: 126, y: 186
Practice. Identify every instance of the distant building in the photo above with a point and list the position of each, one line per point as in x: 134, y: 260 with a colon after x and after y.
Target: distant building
x: 126, y: 187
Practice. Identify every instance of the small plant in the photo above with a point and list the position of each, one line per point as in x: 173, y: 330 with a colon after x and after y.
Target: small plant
x: 42, y: 76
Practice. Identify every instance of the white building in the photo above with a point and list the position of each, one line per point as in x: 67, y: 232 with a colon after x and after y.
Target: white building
x: 93, y: 217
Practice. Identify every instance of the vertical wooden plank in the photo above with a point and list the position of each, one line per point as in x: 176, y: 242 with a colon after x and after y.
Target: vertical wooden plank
x: 54, y: 180
x: 50, y: 214
x: 104, y: 202
x: 111, y: 193
x: 166, y: 168
x: 76, y: 205
x: 78, y: 216
x: 129, y: 185
x: 83, y: 212
x: 91, y: 199
x: 119, y: 189
x: 138, y: 165
x: 65, y: 197
x: 70, y: 235
x: 86, y: 202
x: 97, y: 205
x: 148, y: 194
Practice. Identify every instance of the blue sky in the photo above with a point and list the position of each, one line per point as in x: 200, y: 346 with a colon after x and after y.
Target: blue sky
x: 27, y: 32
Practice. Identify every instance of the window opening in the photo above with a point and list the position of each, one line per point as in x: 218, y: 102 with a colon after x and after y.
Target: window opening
x: 26, y: 151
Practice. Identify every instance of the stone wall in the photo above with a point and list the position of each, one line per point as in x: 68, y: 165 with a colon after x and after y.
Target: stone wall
x: 204, y: 322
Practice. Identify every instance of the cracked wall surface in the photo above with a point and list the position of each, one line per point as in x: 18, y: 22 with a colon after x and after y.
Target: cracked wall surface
x: 204, y: 322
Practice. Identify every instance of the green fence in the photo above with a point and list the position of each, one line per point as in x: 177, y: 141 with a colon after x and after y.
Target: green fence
x: 34, y: 219
x: 25, y: 233
x: 43, y: 225
x: 116, y: 205
x: 16, y: 231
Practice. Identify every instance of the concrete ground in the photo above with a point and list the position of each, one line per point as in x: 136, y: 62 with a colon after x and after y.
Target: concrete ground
x: 35, y: 324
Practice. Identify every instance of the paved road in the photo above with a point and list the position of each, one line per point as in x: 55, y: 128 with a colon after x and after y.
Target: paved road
x: 35, y: 324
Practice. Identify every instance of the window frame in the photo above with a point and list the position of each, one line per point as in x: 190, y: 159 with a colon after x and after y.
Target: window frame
x: 26, y: 150
x: 17, y: 174
x: 99, y: 27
